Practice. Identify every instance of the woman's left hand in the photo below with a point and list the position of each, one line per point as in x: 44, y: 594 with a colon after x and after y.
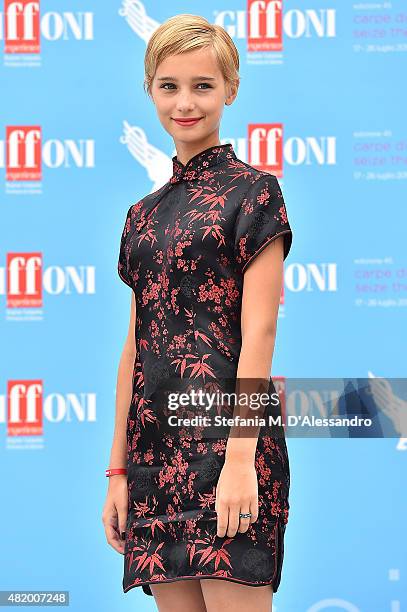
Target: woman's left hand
x: 236, y: 491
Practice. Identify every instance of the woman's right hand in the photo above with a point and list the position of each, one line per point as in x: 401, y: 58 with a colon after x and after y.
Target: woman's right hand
x: 114, y: 516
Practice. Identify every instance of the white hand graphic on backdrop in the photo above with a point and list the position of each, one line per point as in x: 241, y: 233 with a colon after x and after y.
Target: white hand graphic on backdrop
x: 392, y: 406
x: 157, y: 163
x: 137, y: 18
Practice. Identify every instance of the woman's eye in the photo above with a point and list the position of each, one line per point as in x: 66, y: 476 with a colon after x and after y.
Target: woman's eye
x: 163, y: 86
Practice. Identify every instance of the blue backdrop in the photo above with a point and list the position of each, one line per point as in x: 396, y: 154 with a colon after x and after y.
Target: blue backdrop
x: 322, y: 84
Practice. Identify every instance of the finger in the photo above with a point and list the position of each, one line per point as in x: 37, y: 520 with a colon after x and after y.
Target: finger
x: 113, y: 539
x: 244, y: 522
x: 233, y: 521
x: 254, y: 509
x: 222, y: 520
x: 122, y: 522
x: 111, y: 524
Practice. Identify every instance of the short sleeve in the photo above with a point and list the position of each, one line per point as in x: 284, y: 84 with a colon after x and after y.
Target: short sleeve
x: 122, y: 264
x: 260, y: 220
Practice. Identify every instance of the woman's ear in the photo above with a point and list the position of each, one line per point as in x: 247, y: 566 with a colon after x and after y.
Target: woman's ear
x: 232, y: 90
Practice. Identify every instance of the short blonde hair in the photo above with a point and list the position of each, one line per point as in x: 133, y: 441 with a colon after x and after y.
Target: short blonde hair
x: 182, y: 33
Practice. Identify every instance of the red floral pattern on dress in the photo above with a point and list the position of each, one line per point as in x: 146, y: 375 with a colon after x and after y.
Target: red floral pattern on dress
x: 184, y: 250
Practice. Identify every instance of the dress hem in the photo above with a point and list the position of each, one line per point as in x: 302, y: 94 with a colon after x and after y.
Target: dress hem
x: 199, y: 577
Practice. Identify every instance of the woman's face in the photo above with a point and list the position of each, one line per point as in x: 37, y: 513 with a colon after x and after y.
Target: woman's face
x: 190, y: 85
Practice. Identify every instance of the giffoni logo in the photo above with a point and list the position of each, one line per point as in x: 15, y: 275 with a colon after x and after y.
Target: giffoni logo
x: 268, y: 150
x: 24, y: 151
x: 27, y: 407
x: 24, y: 24
x: 265, y: 23
x: 26, y: 279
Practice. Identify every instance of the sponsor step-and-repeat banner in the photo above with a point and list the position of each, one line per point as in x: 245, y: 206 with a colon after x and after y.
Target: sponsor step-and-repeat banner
x: 320, y: 106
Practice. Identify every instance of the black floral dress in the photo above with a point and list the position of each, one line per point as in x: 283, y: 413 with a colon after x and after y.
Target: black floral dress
x: 184, y: 250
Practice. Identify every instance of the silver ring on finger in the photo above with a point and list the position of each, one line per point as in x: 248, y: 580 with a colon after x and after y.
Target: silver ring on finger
x: 245, y: 514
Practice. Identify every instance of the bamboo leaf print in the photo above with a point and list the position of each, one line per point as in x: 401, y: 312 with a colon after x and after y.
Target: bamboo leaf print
x: 205, y: 553
x: 156, y: 523
x: 141, y: 560
x: 147, y: 415
x: 199, y: 368
x: 203, y: 337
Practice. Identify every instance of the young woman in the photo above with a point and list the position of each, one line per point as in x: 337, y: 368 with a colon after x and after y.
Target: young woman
x: 203, y: 517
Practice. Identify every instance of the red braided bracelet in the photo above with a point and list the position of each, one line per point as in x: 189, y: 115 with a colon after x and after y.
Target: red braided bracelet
x: 112, y: 472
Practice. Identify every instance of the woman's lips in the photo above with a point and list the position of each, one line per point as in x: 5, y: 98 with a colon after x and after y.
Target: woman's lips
x: 187, y: 122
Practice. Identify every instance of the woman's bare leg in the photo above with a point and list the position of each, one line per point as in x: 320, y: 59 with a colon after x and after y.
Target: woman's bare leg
x: 234, y: 597
x: 179, y: 596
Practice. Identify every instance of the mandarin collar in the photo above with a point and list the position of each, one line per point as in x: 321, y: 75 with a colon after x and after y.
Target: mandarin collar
x: 200, y: 162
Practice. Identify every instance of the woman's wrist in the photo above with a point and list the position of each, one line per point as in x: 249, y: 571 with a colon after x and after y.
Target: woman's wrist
x: 241, y: 450
x: 115, y: 472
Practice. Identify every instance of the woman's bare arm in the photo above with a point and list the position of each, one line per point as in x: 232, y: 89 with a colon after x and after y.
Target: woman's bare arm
x: 260, y: 303
x: 118, y: 455
x: 115, y: 510
x: 237, y: 488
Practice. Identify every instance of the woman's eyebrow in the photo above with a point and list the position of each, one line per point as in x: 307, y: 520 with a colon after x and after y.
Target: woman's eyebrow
x: 197, y: 78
